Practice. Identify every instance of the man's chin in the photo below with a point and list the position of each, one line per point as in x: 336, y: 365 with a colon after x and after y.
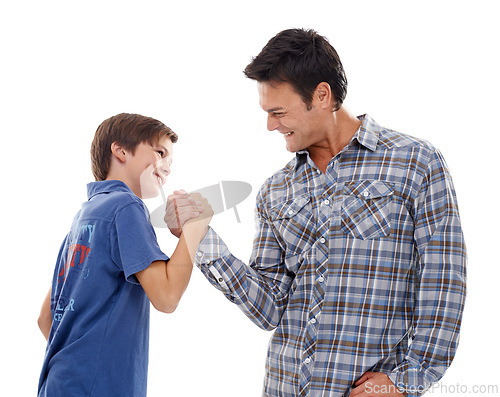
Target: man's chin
x: 294, y: 148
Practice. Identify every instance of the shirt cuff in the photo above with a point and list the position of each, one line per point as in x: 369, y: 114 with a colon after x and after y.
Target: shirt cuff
x: 208, y: 259
x: 411, y: 378
x: 211, y: 248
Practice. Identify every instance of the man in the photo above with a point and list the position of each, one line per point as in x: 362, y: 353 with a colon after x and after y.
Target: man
x: 359, y: 260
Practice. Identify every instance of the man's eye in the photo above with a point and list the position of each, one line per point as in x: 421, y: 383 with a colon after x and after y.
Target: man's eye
x: 279, y: 115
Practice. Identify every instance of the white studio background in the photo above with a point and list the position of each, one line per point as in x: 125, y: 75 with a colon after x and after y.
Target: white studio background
x: 429, y: 69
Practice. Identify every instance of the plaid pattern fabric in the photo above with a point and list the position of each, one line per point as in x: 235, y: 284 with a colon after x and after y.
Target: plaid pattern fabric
x: 361, y: 268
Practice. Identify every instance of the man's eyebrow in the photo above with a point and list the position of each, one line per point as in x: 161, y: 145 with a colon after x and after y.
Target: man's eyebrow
x: 275, y: 109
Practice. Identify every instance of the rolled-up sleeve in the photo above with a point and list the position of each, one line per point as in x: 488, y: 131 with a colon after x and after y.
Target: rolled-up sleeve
x: 261, y: 288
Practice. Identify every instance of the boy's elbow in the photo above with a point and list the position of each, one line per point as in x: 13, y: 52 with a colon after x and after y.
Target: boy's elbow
x: 44, y: 323
x: 165, y: 308
x: 166, y: 304
x: 40, y: 323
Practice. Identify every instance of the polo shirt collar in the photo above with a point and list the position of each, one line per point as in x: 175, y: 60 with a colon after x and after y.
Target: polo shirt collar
x: 99, y: 187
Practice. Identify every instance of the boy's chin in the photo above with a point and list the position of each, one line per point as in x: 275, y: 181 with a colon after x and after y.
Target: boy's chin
x: 150, y: 192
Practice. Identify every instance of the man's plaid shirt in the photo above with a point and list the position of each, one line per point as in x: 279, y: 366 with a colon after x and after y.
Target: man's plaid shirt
x: 360, y: 268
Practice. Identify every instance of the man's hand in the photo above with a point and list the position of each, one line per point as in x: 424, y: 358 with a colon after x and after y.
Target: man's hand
x: 181, y: 207
x: 194, y: 229
x: 375, y: 384
x: 203, y: 208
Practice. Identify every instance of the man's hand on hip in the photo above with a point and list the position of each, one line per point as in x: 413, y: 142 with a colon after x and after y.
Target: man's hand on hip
x: 375, y: 384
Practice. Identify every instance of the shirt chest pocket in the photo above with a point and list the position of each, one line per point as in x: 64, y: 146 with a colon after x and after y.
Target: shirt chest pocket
x: 366, y: 209
x: 294, y: 223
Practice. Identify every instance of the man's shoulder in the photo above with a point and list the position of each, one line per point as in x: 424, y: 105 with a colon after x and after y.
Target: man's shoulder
x: 284, y: 173
x: 278, y: 184
x: 392, y: 139
x: 408, y: 148
x: 279, y: 178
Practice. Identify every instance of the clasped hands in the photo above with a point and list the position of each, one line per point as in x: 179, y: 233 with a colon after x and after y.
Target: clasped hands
x: 184, y: 209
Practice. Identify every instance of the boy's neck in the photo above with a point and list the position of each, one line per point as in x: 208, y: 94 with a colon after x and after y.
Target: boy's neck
x: 115, y: 176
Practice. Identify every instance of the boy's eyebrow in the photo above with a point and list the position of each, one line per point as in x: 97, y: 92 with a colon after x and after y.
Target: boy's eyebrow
x: 157, y: 145
x: 164, y: 148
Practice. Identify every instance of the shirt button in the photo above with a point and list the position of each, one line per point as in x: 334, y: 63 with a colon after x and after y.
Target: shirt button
x: 322, y: 240
x: 199, y: 254
x: 220, y: 280
x: 290, y: 212
x: 326, y: 202
x: 321, y: 279
x: 366, y: 194
x: 307, y: 360
x: 313, y: 320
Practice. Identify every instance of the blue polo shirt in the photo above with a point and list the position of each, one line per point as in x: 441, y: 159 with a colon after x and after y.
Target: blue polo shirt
x: 99, y: 340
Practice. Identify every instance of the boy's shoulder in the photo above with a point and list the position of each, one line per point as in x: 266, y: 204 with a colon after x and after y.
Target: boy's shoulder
x: 108, y: 198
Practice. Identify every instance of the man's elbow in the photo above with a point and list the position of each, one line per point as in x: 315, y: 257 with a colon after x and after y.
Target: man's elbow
x: 266, y: 325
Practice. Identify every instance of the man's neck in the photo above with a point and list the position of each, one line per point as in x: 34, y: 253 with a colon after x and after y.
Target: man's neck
x: 342, y: 128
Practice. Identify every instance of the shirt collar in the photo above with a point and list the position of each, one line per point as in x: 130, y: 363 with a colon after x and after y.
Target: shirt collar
x: 368, y: 132
x: 367, y: 135
x: 99, y: 187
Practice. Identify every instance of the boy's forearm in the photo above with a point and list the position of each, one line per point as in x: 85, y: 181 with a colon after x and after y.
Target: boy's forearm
x: 191, y: 236
x: 180, y: 265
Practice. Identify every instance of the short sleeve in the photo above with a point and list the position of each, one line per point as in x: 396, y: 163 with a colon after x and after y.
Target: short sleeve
x: 135, y: 245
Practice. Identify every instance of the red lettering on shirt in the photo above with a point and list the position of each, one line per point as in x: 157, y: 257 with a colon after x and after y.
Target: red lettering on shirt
x: 70, y: 259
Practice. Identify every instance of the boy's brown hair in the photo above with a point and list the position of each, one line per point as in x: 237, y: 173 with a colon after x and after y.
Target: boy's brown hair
x: 129, y: 130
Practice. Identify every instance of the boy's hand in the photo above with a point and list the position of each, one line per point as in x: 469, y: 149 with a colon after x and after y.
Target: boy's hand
x: 181, y: 207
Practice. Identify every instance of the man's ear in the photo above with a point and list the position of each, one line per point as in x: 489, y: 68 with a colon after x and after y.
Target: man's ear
x: 323, y: 95
x: 118, y: 152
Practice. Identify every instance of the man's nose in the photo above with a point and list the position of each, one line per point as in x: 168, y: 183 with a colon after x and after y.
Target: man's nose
x: 272, y: 123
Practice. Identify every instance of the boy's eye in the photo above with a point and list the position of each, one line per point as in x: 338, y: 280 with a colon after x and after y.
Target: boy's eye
x: 160, y: 152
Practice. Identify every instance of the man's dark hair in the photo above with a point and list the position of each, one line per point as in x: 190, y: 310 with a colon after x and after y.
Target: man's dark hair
x: 302, y: 58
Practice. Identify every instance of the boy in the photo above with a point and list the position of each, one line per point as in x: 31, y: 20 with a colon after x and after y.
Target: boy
x: 96, y: 315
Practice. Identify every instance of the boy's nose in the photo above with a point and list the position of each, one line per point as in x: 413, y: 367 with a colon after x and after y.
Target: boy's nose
x: 163, y: 166
x: 166, y: 167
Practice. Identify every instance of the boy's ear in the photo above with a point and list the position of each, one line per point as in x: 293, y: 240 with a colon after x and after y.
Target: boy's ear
x: 118, y: 152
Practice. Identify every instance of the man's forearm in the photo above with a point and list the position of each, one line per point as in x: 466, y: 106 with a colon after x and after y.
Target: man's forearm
x: 260, y: 299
